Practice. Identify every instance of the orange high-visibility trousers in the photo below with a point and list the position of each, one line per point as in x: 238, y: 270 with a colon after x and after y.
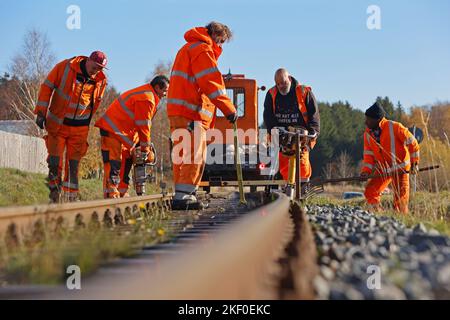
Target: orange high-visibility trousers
x: 117, y: 163
x: 305, y: 166
x: 112, y: 161
x: 400, y: 187
x: 188, y: 154
x: 125, y: 168
x: 73, y: 140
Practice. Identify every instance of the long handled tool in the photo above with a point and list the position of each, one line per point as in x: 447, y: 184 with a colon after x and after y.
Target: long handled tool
x: 358, y: 178
x: 237, y: 159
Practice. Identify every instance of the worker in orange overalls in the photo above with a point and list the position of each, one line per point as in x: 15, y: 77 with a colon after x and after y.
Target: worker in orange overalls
x: 196, y: 89
x: 68, y: 98
x: 391, y: 152
x: 290, y: 103
x: 126, y: 123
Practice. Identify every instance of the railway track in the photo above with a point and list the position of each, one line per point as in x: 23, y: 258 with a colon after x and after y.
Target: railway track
x: 16, y: 221
x: 264, y: 250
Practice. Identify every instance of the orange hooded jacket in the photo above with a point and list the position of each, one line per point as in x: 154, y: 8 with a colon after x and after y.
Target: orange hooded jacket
x: 196, y: 84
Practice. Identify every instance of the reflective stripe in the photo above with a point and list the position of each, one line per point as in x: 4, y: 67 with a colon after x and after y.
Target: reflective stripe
x: 368, y: 138
x: 75, y: 105
x: 78, y: 117
x: 192, y: 46
x: 410, y: 140
x: 397, y: 167
x: 188, y: 105
x: 392, y: 137
x: 64, y: 78
x: 217, y: 93
x: 368, y: 153
x: 125, y: 108
x: 117, y: 131
x: 54, y: 118
x: 50, y: 84
x: 70, y: 185
x: 187, y: 188
x: 136, y: 93
x: 43, y: 104
x: 60, y: 89
x: 205, y: 72
x: 62, y: 94
x: 368, y: 165
x: 415, y: 154
x: 183, y: 75
x: 143, y: 122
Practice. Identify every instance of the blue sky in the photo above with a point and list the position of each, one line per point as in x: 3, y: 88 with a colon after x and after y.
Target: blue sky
x: 324, y: 44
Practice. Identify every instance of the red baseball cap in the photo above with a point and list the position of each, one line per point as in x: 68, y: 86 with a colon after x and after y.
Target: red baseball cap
x: 99, y: 58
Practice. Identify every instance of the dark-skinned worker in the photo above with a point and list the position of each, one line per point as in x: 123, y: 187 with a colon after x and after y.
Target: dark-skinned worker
x: 68, y: 98
x: 287, y: 104
x: 126, y: 123
x: 390, y: 152
x: 196, y: 89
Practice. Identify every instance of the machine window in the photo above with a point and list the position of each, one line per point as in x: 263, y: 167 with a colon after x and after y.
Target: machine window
x: 237, y: 95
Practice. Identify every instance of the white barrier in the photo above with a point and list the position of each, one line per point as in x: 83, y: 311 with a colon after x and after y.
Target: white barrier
x: 22, y: 152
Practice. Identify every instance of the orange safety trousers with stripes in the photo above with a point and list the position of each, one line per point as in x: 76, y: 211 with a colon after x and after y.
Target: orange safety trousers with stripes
x: 400, y: 187
x: 305, y: 166
x: 188, y: 153
x: 117, y: 162
x: 73, y: 140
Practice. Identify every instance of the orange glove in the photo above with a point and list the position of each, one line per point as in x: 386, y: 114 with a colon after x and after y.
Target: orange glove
x: 149, y: 156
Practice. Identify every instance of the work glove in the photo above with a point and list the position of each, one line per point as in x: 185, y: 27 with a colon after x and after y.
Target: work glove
x: 232, y: 117
x: 364, y: 175
x: 414, y: 168
x: 149, y: 156
x: 40, y: 121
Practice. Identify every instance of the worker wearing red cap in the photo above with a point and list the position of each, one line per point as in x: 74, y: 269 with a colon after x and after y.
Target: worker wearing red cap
x: 68, y: 98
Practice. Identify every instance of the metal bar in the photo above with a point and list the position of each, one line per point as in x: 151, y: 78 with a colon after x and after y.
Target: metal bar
x: 358, y: 178
x: 238, y: 165
x: 246, y: 183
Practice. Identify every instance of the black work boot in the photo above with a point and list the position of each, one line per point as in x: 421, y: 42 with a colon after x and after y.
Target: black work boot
x: 54, y: 196
x: 187, y: 205
x: 188, y: 202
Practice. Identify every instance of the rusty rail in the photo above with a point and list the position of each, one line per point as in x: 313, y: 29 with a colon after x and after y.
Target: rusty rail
x: 242, y: 261
x: 18, y: 219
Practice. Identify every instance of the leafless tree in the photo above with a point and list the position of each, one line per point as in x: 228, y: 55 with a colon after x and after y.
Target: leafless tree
x: 161, y: 68
x: 344, y: 167
x: 160, y: 123
x: 328, y: 170
x: 28, y: 69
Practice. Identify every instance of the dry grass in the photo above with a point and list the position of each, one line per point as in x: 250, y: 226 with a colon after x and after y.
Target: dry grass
x: 43, y: 254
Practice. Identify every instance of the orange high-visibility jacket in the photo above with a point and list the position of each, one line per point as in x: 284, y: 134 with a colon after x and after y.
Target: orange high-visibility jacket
x: 396, y: 151
x: 59, y: 89
x: 196, y: 84
x: 129, y: 116
x: 301, y: 92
